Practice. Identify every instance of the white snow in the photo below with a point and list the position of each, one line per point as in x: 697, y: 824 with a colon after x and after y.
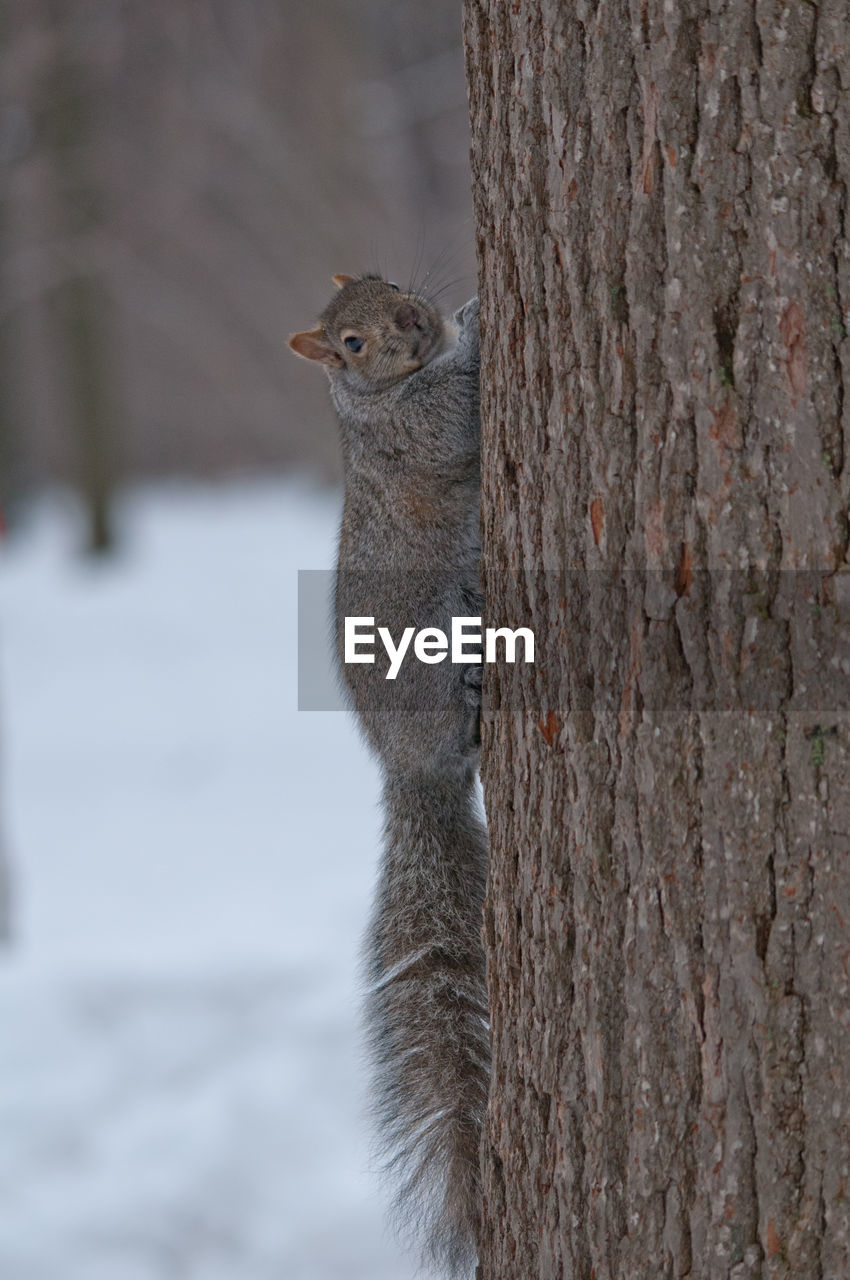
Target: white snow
x: 181, y: 1087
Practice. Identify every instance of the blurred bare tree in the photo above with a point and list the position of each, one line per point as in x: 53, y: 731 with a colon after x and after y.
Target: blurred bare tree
x: 79, y: 303
x: 12, y: 129
x: 180, y: 178
x: 5, y: 886
x: 5, y: 895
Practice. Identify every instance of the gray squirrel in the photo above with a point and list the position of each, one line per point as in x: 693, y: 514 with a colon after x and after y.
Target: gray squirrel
x: 404, y: 382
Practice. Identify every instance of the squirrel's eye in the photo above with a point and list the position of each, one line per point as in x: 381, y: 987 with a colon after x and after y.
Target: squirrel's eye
x: 353, y: 343
x: 393, y: 285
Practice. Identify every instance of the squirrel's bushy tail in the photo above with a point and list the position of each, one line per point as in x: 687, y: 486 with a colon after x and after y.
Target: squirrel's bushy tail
x: 427, y: 1009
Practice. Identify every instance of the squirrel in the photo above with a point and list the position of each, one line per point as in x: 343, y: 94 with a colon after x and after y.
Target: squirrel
x: 405, y: 384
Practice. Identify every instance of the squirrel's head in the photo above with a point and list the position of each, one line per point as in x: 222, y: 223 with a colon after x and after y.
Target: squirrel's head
x: 374, y: 330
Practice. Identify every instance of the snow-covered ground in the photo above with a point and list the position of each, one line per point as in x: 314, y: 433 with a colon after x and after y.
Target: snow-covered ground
x: 181, y: 1090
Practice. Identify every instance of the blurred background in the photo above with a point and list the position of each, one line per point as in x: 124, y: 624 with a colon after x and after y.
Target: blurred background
x: 185, y: 861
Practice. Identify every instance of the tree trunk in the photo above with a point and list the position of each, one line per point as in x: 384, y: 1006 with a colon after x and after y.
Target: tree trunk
x: 5, y: 896
x: 9, y: 406
x: 80, y: 306
x: 5, y: 885
x: 661, y: 195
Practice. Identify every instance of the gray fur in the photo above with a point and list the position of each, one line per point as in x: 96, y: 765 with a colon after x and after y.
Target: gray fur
x: 408, y: 556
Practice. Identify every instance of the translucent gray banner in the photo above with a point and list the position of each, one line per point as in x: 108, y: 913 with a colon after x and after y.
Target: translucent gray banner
x: 319, y: 686
x: 750, y: 640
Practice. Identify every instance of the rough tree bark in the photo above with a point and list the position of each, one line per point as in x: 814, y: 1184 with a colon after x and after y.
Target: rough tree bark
x: 661, y: 203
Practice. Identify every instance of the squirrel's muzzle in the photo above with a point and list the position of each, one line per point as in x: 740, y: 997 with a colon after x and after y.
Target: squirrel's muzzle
x: 407, y: 317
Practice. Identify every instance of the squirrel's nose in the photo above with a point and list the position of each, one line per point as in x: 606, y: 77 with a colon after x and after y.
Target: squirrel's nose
x: 407, y: 317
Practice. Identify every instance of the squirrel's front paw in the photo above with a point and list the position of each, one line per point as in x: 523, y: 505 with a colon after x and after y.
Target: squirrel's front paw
x: 472, y: 698
x: 471, y: 681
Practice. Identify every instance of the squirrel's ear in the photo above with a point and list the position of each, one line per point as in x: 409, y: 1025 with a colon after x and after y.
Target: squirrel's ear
x: 340, y: 279
x: 314, y: 345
